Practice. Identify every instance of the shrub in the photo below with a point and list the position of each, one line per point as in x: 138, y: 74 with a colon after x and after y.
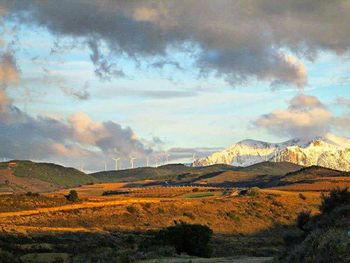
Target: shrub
x: 301, y: 196
x: 254, y: 191
x: 195, y: 190
x: 31, y: 194
x: 189, y: 215
x: 146, y: 206
x: 337, y: 197
x: 6, y: 257
x: 131, y: 209
x: 303, y: 218
x: 233, y: 216
x: 192, y: 239
x: 72, y: 196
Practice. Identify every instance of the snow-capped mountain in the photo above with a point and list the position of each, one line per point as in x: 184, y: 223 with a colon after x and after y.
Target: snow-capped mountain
x: 327, y: 151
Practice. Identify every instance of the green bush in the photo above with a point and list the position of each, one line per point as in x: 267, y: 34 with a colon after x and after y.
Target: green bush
x: 325, y: 237
x: 72, y: 196
x: 337, y: 197
x: 131, y: 209
x: 192, y: 239
x: 303, y: 219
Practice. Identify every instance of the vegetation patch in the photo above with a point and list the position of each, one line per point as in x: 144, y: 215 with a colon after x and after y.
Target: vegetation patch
x: 199, y: 195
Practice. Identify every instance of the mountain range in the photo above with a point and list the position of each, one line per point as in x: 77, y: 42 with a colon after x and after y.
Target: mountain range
x: 327, y: 151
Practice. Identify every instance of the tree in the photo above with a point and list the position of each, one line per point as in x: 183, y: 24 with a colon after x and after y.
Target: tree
x: 72, y: 196
x: 192, y: 239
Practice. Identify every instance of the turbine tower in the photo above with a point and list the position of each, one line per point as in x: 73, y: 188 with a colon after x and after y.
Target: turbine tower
x: 167, y: 155
x: 147, y: 161
x: 132, y: 159
x: 82, y: 167
x: 193, y: 157
x: 105, y: 162
x: 116, y: 163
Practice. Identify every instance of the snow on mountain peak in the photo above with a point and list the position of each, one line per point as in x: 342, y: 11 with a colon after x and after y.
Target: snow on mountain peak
x: 328, y: 151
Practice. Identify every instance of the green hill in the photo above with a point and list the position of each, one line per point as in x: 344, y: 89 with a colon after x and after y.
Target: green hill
x: 312, y: 172
x: 178, y: 172
x: 182, y: 173
x: 57, y: 175
x: 271, y: 168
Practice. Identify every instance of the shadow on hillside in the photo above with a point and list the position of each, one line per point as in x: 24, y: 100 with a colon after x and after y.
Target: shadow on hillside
x: 110, y: 245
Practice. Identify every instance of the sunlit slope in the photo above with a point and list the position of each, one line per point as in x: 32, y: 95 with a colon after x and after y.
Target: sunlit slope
x: 165, y: 172
x: 19, y: 176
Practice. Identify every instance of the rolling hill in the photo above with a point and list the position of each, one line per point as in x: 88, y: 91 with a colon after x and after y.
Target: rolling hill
x: 177, y: 172
x: 24, y: 176
x: 219, y: 174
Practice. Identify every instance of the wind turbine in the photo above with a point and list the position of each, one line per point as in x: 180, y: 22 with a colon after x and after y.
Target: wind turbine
x: 116, y: 163
x: 132, y: 159
x: 157, y: 159
x: 105, y: 162
x: 82, y: 167
x: 167, y: 155
x: 147, y: 161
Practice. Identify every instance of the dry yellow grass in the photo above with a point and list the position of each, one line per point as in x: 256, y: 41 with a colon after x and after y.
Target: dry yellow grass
x: 137, y: 212
x: 318, y: 184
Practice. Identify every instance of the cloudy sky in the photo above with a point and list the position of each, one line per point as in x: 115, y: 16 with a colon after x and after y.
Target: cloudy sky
x: 84, y: 81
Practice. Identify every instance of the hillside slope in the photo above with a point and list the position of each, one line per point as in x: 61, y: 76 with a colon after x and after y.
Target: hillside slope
x: 177, y: 172
x: 23, y: 176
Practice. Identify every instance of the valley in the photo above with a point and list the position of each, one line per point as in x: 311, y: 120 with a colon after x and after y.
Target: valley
x: 248, y: 208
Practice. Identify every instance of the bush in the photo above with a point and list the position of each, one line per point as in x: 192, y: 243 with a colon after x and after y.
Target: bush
x: 303, y: 219
x: 254, y: 191
x: 72, y: 196
x: 189, y: 215
x: 192, y: 239
x: 131, y: 209
x: 31, y: 194
x: 337, y: 197
x: 326, y: 235
x: 301, y: 196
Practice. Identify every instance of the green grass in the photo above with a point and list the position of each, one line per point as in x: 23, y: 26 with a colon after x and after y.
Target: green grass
x: 166, y: 172
x: 199, y: 195
x: 52, y: 173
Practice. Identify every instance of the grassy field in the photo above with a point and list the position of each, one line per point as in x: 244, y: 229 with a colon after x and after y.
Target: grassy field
x: 40, y: 228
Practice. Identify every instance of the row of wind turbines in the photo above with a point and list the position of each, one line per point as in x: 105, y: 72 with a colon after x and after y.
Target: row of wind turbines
x: 132, y: 161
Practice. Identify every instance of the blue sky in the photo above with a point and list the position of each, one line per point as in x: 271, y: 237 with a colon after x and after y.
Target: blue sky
x: 188, y: 81
x: 207, y: 111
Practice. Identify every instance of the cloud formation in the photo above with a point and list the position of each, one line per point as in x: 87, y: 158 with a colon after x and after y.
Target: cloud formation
x: 237, y: 40
x: 343, y: 102
x: 305, y: 117
x: 78, y: 94
x: 69, y: 141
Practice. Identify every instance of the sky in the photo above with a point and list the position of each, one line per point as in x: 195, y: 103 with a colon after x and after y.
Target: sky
x: 82, y: 82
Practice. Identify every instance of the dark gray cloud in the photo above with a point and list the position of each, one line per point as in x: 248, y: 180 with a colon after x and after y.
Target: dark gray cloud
x: 73, y: 140
x: 104, y: 69
x: 237, y: 40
